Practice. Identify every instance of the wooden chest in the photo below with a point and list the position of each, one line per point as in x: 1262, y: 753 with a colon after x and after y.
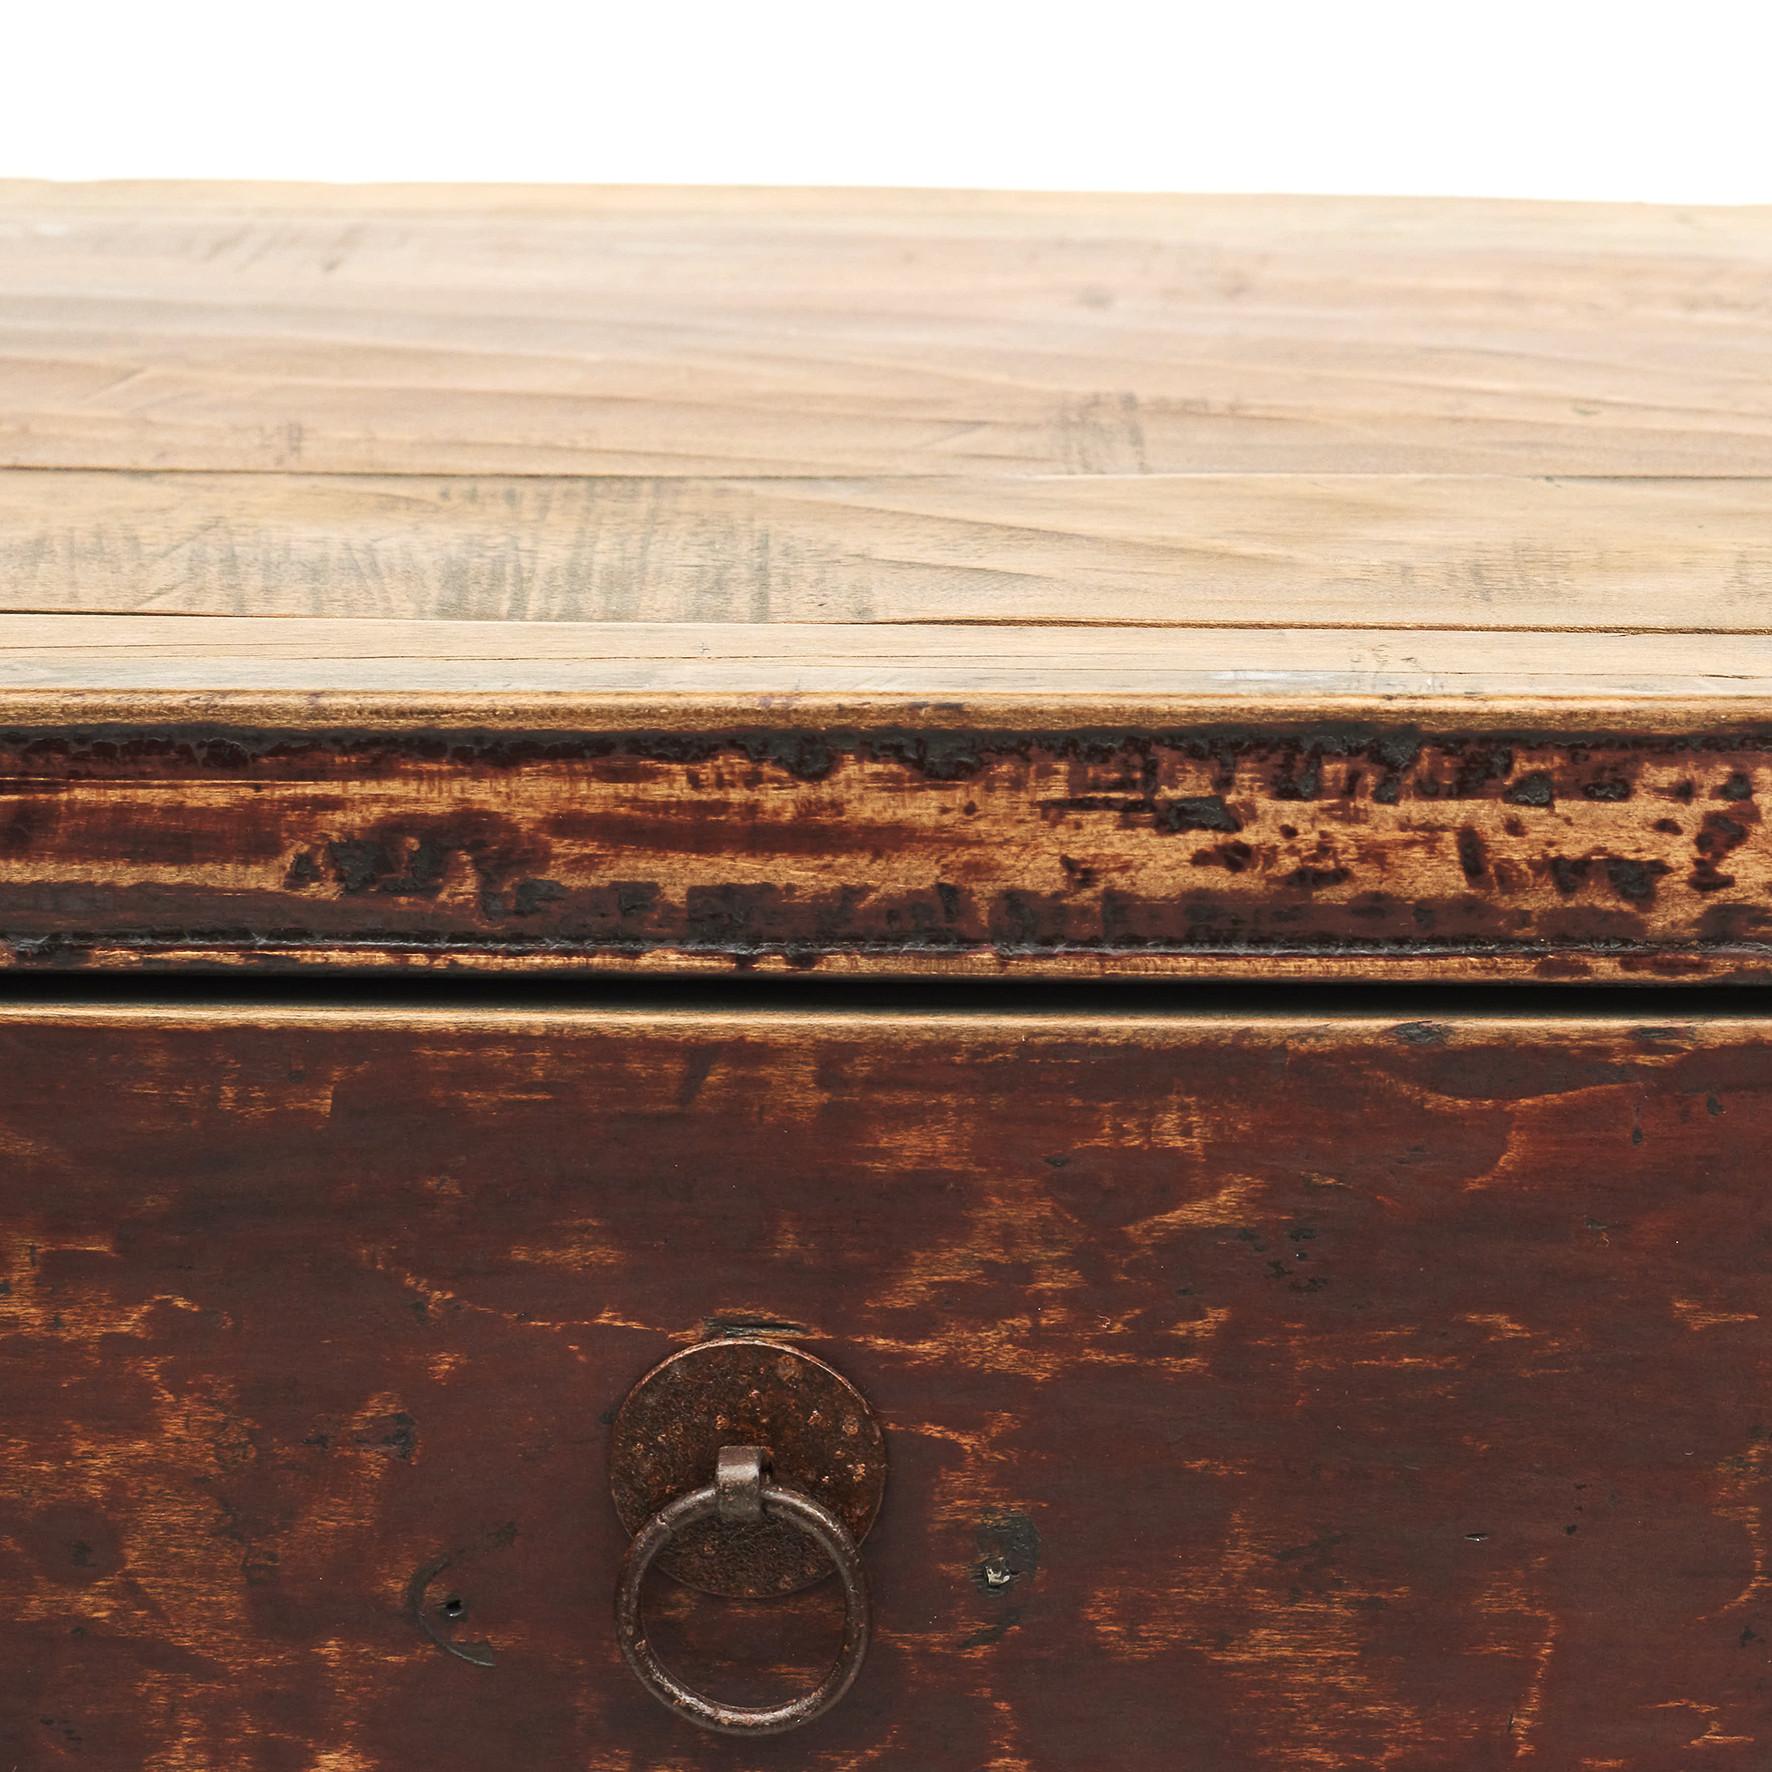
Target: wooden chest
x: 1089, y: 868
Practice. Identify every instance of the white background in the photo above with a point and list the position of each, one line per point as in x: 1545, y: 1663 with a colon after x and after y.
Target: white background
x: 1664, y: 102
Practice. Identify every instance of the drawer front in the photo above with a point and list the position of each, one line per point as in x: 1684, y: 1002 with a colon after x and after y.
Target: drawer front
x: 1260, y: 1392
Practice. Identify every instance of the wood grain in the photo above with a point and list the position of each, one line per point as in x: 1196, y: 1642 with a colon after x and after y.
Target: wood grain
x: 876, y: 333
x: 1262, y: 1392
x: 873, y: 581
x: 1347, y: 849
x: 1326, y: 551
x: 692, y: 676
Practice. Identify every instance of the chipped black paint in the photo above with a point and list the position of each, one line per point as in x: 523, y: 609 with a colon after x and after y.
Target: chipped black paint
x: 1634, y: 880
x: 812, y: 754
x: 1202, y: 812
x: 1532, y: 789
x: 1472, y: 857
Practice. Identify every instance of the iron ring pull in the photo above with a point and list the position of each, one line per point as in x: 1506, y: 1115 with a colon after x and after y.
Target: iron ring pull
x: 741, y: 1490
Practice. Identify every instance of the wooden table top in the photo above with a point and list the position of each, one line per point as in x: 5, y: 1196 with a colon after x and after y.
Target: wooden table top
x: 292, y: 452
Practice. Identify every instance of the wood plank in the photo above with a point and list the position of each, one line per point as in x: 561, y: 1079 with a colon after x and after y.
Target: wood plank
x: 1316, y: 848
x: 691, y: 676
x: 1314, y: 1393
x: 1271, y: 550
x: 857, y: 333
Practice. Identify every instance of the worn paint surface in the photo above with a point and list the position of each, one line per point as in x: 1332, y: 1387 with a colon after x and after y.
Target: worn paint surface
x: 1362, y: 851
x: 1261, y: 1394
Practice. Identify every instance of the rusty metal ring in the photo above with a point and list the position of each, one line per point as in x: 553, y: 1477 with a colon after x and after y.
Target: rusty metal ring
x: 741, y: 1490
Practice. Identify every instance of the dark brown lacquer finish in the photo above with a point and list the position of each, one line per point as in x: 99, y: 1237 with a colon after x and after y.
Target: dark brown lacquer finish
x: 1264, y: 1393
x: 1343, y: 850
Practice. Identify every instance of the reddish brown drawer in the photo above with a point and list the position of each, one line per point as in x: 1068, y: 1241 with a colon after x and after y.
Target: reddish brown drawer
x: 1260, y: 1391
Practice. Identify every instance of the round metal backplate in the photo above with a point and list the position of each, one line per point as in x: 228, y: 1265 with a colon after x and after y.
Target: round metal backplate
x: 820, y: 1436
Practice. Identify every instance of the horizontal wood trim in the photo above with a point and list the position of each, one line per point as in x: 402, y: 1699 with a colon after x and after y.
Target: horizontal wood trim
x: 1210, y: 851
x: 1205, y: 551
x: 856, y: 333
x: 1132, y: 1020
x: 692, y: 675
x: 1734, y: 964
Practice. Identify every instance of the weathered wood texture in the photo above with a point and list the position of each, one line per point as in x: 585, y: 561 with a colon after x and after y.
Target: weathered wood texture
x: 855, y: 332
x: 1042, y: 496
x: 317, y: 675
x: 688, y: 676
x: 1263, y: 1393
x: 1326, y: 850
x: 1481, y: 555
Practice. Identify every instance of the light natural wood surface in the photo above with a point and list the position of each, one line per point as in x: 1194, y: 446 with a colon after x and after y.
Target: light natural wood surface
x: 301, y: 672
x: 876, y: 333
x: 940, y: 456
x: 1224, y: 551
